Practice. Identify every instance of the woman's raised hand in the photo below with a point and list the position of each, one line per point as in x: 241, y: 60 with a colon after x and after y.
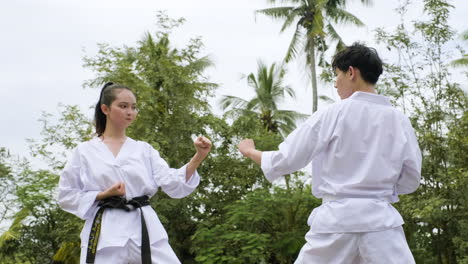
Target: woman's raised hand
x: 203, y: 146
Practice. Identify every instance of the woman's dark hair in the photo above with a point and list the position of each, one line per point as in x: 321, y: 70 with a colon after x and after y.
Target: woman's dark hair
x: 106, y: 97
x: 362, y: 57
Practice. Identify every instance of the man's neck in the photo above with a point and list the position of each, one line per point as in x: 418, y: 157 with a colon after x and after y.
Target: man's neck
x: 367, y: 88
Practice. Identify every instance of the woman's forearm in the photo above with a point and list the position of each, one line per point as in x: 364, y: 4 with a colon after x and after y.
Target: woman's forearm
x: 193, y: 165
x: 102, y: 195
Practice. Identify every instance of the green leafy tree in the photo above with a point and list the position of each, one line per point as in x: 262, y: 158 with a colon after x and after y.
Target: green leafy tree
x: 421, y: 84
x: 314, y: 21
x: 7, y: 185
x: 267, y: 226
x: 269, y: 92
x: 39, y: 228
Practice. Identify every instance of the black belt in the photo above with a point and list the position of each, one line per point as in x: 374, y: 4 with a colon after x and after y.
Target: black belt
x: 119, y: 203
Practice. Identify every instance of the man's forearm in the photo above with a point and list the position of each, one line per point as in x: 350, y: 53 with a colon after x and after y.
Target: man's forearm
x: 255, y: 155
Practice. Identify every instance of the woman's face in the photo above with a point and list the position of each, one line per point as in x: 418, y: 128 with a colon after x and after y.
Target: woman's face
x: 122, y: 110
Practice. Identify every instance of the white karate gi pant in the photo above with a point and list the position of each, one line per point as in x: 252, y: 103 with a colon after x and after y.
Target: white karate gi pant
x: 388, y: 246
x: 161, y: 253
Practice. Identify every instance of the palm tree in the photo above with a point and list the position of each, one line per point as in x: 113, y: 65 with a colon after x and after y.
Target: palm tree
x: 463, y: 61
x: 315, y: 19
x: 269, y: 91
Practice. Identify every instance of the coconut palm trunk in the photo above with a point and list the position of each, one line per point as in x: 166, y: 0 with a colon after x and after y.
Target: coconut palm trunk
x: 313, y: 70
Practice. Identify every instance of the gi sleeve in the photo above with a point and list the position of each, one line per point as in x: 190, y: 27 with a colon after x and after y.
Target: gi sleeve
x: 299, y: 148
x: 410, y: 175
x: 172, y: 181
x: 71, y: 194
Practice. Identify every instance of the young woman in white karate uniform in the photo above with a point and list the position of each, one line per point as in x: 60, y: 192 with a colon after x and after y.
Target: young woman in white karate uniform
x: 364, y: 154
x: 109, y: 179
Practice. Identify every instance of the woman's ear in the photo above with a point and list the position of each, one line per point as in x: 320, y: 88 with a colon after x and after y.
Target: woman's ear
x: 104, y: 109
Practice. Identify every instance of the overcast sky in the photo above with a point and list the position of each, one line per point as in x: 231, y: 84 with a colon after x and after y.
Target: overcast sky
x: 43, y: 43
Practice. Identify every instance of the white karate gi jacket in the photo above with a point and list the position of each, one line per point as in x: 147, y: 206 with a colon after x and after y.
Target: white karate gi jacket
x: 364, y: 154
x: 92, y: 168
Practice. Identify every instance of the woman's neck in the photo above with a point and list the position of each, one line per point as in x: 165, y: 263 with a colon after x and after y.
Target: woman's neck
x: 113, y: 134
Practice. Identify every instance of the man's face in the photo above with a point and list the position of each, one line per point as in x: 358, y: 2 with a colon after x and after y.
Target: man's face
x: 343, y: 83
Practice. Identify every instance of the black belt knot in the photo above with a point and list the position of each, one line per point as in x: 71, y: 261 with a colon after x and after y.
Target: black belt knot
x: 117, y: 202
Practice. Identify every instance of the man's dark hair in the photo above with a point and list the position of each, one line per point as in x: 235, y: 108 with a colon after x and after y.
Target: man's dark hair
x: 362, y: 57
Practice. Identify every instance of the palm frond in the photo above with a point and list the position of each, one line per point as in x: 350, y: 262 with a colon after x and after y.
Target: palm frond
x: 252, y: 81
x: 287, y: 120
x: 13, y: 231
x: 276, y: 12
x: 318, y: 4
x: 464, y: 35
x: 253, y: 104
x: 293, y: 15
x: 236, y: 113
x: 341, y: 16
x: 367, y: 2
x: 201, y: 64
x: 230, y: 101
x: 263, y: 77
x: 272, y: 1
x: 340, y: 46
x: 332, y: 34
x: 290, y: 115
x: 290, y: 91
x: 462, y: 62
x: 291, y: 53
x: 326, y: 99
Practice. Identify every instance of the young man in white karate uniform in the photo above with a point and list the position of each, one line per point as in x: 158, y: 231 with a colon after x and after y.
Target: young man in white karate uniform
x: 364, y: 154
